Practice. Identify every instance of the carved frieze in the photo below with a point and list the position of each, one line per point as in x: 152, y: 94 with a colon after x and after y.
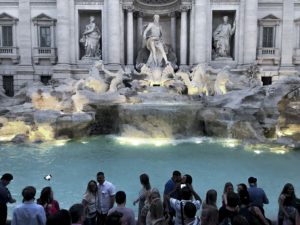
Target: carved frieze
x: 89, y: 2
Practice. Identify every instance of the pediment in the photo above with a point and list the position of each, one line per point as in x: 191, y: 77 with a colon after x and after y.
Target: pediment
x: 270, y: 17
x: 43, y: 17
x: 7, y: 17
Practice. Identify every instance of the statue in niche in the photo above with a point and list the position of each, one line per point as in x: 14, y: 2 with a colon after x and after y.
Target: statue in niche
x: 154, y: 43
x: 221, y: 38
x: 90, y: 39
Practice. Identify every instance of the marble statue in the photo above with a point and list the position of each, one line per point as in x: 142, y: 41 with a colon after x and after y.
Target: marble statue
x: 221, y: 38
x: 221, y: 81
x: 154, y: 43
x: 90, y: 39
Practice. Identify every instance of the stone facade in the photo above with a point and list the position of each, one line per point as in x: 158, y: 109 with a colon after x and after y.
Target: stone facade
x: 40, y: 39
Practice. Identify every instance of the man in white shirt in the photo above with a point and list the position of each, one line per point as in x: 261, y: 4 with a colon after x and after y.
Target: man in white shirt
x: 29, y: 212
x: 106, y: 198
x: 178, y: 205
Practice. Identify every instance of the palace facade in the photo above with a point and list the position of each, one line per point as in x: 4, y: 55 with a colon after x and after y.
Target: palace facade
x: 44, y: 39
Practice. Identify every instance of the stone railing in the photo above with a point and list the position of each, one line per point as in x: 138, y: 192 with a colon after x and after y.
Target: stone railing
x: 268, y: 56
x: 44, y: 53
x: 9, y: 53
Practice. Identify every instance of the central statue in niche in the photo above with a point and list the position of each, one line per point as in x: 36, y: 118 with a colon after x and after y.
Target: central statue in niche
x: 154, y: 43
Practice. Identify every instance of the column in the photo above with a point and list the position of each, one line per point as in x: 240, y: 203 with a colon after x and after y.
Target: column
x: 183, y: 37
x: 287, y: 34
x: 130, y: 35
x: 63, y: 36
x: 140, y: 30
x: 250, y: 31
x: 200, y: 31
x: 24, y: 33
x: 113, y: 32
x: 173, y: 30
x: 52, y: 36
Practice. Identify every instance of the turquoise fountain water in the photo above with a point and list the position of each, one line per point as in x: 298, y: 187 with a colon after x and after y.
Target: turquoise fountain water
x: 211, y: 162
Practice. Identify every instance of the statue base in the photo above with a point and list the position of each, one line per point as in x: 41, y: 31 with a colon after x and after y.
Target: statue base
x: 223, y: 59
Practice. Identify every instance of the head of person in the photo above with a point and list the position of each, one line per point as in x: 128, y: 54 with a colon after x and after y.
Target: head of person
x: 252, y: 181
x: 61, y: 217
x: 241, y: 187
x: 232, y: 199
x: 28, y: 193
x: 6, y: 178
x: 92, y: 186
x: 187, y: 179
x: 114, y: 218
x: 156, y: 18
x: 189, y: 210
x: 289, y: 190
x: 144, y: 179
x: 100, y: 178
x: 228, y: 187
x: 156, y: 209
x: 176, y: 176
x: 186, y: 193
x: 225, y: 19
x: 120, y: 197
x: 46, y: 195
x: 211, y: 197
x: 154, y: 194
x: 77, y: 213
x: 244, y: 197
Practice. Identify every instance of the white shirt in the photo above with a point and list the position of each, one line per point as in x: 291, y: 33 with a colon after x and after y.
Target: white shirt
x: 105, y: 192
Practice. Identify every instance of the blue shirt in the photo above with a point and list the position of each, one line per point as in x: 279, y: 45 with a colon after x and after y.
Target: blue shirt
x: 257, y: 196
x: 169, y: 187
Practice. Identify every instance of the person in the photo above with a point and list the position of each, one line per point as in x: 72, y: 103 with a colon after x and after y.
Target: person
x: 61, y: 217
x: 46, y: 200
x: 144, y: 192
x: 5, y: 196
x: 29, y: 212
x: 288, y: 213
x: 157, y: 211
x: 229, y: 211
x: 221, y: 38
x: 91, y: 37
x: 241, y: 187
x: 106, y: 198
x: 257, y: 195
x: 187, y: 179
x: 172, y: 190
x: 190, y: 210
x: 128, y: 214
x: 77, y: 214
x: 186, y: 194
x: 154, y: 43
x: 89, y: 202
x: 210, y: 213
x: 114, y: 219
x: 252, y: 214
x: 228, y: 187
x: 152, y: 197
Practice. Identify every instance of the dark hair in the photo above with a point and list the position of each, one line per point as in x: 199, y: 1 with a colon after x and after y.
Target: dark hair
x: 285, y: 189
x: 188, y: 179
x: 240, y: 220
x: 88, y: 188
x: 186, y: 193
x: 228, y: 184
x: 244, y: 186
x: 144, y: 179
x: 120, y: 197
x: 100, y: 174
x: 114, y: 218
x: 244, y: 197
x: 76, y: 212
x: 45, y: 196
x: 28, y: 193
x: 7, y: 176
x: 211, y: 197
x: 61, y: 217
x: 176, y: 173
x: 232, y: 199
x: 190, y: 210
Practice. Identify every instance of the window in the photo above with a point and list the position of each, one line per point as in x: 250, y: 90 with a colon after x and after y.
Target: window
x: 268, y: 37
x: 45, y: 37
x: 8, y: 85
x: 7, y: 37
x: 266, y: 80
x: 45, y: 79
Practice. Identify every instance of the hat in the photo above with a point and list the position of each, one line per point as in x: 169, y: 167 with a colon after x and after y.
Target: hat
x: 252, y: 180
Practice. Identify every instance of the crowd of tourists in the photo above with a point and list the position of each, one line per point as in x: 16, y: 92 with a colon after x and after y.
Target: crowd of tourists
x: 179, y: 204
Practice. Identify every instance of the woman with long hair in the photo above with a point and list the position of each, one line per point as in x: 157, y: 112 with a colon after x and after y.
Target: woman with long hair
x: 143, y: 194
x: 89, y: 202
x: 46, y: 199
x: 210, y: 212
x: 228, y: 187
